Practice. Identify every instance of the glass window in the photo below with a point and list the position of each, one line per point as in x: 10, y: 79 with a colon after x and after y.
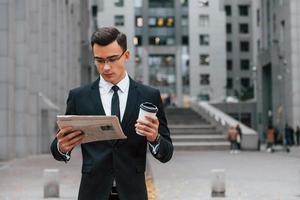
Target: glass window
x: 119, y: 3
x: 162, y: 72
x: 204, y: 39
x: 184, y: 20
x: 203, y: 20
x: 228, y: 28
x: 152, y: 21
x: 203, y: 97
x: 204, y: 79
x: 229, y: 64
x: 185, y: 40
x: 119, y: 20
x: 243, y: 10
x: 161, y: 40
x: 184, y: 3
x: 204, y: 59
x: 244, y: 28
x: 229, y: 84
x: 244, y: 46
x: 245, y: 64
x: 160, y: 21
x: 245, y: 82
x: 228, y: 10
x: 170, y: 21
x: 94, y: 10
x: 161, y: 4
x: 139, y: 21
x: 137, y: 40
x: 229, y: 46
x: 138, y: 3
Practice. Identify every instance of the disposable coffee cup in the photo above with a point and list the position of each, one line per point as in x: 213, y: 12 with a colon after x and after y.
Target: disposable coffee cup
x: 147, y: 109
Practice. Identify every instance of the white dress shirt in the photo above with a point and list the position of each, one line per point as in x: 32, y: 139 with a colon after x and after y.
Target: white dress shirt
x: 106, y: 94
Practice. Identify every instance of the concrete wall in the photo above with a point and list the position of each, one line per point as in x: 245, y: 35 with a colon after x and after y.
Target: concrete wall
x: 280, y: 38
x: 39, y: 63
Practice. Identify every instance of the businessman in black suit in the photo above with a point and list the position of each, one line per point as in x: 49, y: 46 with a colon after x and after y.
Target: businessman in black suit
x: 114, y: 169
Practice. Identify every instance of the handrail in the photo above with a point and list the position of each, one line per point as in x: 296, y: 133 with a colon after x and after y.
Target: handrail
x: 223, y: 121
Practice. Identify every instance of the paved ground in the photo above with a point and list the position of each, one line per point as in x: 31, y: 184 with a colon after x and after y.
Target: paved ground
x: 22, y: 179
x: 249, y: 175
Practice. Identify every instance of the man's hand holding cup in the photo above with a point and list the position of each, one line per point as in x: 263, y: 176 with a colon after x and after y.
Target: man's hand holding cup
x: 147, y: 122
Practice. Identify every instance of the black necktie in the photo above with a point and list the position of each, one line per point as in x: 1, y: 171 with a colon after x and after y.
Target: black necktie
x: 115, y: 103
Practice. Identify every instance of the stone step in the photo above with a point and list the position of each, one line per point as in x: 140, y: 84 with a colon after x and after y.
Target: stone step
x: 198, y: 138
x: 191, y: 126
x: 201, y: 146
x: 194, y: 132
x: 188, y: 122
x: 184, y: 116
x: 190, y: 131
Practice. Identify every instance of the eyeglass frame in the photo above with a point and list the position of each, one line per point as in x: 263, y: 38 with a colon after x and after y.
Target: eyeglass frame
x: 109, y: 59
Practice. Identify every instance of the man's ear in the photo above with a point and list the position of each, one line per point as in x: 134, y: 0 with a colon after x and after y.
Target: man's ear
x: 127, y: 55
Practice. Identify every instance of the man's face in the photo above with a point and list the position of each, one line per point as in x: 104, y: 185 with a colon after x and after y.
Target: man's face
x: 110, y: 61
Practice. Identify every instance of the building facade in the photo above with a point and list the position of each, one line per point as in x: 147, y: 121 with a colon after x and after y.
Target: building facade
x: 159, y: 48
x: 207, y: 50
x: 39, y: 62
x: 278, y: 71
x: 242, y: 43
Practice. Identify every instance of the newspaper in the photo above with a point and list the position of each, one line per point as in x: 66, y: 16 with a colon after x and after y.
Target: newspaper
x: 95, y: 128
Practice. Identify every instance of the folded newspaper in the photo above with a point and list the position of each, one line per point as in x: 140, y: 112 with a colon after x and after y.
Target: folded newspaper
x: 95, y: 128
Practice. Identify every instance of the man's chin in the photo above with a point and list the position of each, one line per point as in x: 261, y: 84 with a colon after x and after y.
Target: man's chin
x: 109, y: 78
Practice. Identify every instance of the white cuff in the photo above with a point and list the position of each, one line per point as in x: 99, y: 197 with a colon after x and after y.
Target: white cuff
x: 66, y: 155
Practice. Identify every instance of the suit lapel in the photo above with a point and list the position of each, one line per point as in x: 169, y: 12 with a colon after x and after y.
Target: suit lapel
x: 130, y: 109
x: 96, y: 99
x: 131, y: 103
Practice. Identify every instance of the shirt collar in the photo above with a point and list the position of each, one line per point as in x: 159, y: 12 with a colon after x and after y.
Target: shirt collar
x: 106, y: 86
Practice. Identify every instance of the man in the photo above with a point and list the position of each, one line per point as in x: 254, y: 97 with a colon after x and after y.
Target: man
x: 114, y: 169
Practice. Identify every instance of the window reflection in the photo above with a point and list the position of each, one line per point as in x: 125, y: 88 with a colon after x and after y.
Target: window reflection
x: 162, y: 72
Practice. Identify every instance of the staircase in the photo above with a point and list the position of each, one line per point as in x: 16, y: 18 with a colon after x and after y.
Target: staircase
x: 190, y: 131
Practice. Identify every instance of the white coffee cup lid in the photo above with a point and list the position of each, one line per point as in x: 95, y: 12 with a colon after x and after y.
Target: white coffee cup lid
x: 149, y: 107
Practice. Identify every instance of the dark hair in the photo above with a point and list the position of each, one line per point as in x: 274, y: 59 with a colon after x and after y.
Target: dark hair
x: 106, y: 35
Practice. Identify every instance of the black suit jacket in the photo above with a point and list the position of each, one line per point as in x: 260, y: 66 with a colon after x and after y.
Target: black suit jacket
x: 122, y: 160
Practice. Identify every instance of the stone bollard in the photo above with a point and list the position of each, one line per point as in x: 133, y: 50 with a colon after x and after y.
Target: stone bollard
x: 218, y: 183
x: 51, y: 183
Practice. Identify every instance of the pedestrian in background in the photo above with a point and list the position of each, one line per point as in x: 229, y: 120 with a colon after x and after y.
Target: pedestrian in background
x: 270, y: 138
x: 232, y: 137
x: 287, y: 138
x: 298, y: 135
x: 239, y: 136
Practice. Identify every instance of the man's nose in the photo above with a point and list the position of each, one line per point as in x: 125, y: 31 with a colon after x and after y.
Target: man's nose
x: 106, y: 66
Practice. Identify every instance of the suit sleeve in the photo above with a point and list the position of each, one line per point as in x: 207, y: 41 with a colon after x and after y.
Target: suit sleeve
x: 69, y: 111
x: 165, y: 150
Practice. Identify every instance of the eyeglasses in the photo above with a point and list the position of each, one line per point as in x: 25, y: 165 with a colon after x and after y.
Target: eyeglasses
x: 108, y: 60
